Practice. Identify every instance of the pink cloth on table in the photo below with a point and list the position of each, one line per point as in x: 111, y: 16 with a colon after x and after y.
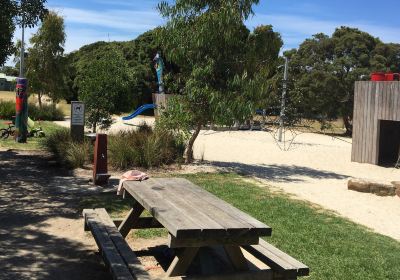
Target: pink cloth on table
x: 133, y: 175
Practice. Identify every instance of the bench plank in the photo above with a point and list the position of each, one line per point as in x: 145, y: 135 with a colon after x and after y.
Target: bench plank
x: 166, y: 213
x: 107, y: 248
x: 183, y: 207
x: 206, y: 213
x: 117, y: 254
x: 123, y: 248
x: 278, y: 260
x: 232, y: 211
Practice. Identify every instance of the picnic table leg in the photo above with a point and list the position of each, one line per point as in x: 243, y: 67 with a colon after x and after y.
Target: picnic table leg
x: 131, y: 219
x: 237, y: 258
x: 182, y: 261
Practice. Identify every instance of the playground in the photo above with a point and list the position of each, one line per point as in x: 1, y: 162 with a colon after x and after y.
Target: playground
x: 207, y: 148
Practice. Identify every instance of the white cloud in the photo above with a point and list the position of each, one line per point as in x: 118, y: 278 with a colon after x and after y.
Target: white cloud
x: 295, y: 29
x: 133, y: 21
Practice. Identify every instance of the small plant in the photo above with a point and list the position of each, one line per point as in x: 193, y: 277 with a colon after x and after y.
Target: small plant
x: 66, y: 151
x: 144, y: 148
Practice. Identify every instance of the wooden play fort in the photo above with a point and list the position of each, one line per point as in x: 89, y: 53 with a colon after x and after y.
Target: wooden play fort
x: 376, y: 123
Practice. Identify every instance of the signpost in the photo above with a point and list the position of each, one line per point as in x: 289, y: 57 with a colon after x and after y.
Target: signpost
x: 77, y: 120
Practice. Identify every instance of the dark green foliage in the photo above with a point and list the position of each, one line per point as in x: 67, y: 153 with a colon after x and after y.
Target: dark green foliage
x: 12, y: 12
x: 7, y: 28
x: 144, y: 148
x: 138, y: 54
x: 324, y: 69
x: 7, y: 110
x: 44, y: 113
x: 103, y: 87
x: 47, y: 112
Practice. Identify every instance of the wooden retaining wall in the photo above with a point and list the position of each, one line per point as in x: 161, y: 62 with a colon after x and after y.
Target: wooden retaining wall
x: 373, y: 102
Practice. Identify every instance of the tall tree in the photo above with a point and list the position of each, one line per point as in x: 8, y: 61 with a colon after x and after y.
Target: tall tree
x: 219, y: 59
x: 17, y: 12
x: 103, y: 87
x: 325, y: 68
x: 45, y: 63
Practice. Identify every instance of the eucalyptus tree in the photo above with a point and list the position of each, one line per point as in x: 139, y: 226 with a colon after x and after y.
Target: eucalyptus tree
x: 223, y: 65
x: 45, y: 63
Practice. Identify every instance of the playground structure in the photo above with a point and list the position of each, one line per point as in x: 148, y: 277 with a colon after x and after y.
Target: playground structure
x: 159, y: 98
x: 376, y: 123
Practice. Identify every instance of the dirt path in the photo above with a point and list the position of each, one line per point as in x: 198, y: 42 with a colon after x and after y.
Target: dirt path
x: 41, y: 232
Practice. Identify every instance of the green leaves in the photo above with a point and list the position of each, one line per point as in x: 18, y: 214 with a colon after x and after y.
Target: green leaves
x: 12, y: 12
x: 45, y: 63
x: 103, y: 87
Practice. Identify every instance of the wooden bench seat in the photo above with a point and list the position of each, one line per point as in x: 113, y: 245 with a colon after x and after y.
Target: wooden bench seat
x: 118, y: 256
x: 283, y: 265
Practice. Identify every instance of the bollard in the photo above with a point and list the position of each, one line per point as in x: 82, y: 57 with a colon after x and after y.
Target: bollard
x: 100, y: 170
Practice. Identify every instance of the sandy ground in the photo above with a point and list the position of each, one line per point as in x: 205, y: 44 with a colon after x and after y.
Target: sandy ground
x: 316, y: 168
x: 118, y: 123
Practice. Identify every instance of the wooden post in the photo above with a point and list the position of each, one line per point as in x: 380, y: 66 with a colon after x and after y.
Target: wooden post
x: 77, y: 120
x: 100, y: 170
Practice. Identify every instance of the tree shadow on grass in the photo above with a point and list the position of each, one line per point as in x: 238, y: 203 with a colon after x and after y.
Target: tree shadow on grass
x: 278, y: 173
x: 33, y: 190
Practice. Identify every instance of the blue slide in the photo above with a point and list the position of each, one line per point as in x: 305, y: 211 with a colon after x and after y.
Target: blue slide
x: 140, y: 110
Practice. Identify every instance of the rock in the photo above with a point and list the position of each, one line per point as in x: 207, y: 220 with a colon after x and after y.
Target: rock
x: 372, y: 187
x: 358, y: 185
x: 383, y: 189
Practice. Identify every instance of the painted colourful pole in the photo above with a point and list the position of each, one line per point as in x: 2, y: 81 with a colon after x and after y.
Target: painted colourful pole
x: 21, y: 109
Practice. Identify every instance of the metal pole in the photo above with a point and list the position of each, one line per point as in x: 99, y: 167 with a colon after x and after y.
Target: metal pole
x: 21, y: 62
x: 283, y: 101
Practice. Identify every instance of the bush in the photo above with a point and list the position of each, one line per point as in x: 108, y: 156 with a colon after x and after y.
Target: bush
x: 65, y: 150
x: 126, y: 149
x: 46, y: 113
x: 7, y: 110
x: 144, y: 148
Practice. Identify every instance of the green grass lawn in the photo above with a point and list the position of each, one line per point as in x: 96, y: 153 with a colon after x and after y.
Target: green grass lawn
x: 32, y: 143
x: 333, y: 247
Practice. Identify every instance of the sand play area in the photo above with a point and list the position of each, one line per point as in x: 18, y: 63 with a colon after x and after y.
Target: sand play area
x: 316, y: 168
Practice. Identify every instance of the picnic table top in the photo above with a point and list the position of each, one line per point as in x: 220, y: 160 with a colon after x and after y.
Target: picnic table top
x: 188, y: 211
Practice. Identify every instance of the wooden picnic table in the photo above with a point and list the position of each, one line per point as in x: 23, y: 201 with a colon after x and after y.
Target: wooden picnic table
x: 194, y: 218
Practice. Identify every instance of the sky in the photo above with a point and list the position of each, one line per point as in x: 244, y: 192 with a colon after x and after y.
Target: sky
x: 89, y: 21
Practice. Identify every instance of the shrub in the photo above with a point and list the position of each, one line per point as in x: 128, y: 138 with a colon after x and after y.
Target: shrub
x: 7, y: 109
x: 144, y: 148
x: 65, y: 150
x: 46, y: 113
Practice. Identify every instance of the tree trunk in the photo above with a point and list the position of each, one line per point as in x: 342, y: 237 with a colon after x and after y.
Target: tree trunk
x: 40, y: 99
x: 348, y: 125
x: 94, y: 127
x: 189, y: 149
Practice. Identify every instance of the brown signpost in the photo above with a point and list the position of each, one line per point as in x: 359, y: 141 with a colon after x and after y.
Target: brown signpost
x: 77, y: 120
x: 100, y: 170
